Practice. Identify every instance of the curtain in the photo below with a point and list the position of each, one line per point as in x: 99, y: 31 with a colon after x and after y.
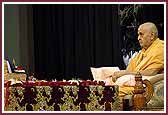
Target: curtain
x: 26, y: 38
x: 71, y: 38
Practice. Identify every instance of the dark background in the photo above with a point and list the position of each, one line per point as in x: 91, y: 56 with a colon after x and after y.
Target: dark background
x: 62, y: 41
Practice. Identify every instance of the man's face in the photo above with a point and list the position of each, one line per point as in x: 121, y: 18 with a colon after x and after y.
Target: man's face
x: 144, y: 36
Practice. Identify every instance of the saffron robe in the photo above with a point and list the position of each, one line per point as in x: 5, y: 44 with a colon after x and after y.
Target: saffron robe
x: 152, y: 58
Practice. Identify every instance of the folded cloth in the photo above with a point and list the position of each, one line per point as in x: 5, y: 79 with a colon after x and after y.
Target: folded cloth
x: 129, y: 80
x: 126, y: 80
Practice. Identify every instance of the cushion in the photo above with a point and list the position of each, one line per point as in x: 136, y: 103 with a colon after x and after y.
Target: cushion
x: 158, y: 97
x: 103, y: 73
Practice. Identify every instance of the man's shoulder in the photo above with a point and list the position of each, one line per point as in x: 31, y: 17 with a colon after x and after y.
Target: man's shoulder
x: 159, y: 41
x: 158, y: 49
x: 160, y: 45
x: 162, y: 42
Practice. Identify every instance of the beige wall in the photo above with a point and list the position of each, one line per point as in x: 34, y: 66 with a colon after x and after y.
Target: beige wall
x: 18, y: 35
x: 11, y: 32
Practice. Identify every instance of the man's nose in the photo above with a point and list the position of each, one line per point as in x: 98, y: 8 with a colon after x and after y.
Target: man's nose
x: 139, y: 38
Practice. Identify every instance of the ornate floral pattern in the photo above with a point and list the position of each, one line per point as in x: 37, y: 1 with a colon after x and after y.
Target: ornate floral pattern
x: 59, y: 96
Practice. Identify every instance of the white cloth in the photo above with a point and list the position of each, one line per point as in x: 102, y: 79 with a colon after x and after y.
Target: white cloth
x: 9, y: 68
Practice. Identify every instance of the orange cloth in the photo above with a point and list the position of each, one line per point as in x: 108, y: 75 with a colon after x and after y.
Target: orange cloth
x: 152, y: 58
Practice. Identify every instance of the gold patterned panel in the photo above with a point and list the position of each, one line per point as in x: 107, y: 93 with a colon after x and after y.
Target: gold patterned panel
x: 63, y: 98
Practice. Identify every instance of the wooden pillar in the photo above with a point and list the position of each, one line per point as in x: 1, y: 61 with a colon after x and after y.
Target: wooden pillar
x: 139, y: 100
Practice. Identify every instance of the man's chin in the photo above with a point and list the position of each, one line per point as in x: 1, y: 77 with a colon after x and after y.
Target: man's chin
x: 141, y: 45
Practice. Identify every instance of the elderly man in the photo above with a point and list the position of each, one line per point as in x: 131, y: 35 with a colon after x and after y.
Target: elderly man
x: 150, y: 60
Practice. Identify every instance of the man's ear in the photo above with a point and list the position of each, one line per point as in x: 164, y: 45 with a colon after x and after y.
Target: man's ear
x: 152, y: 36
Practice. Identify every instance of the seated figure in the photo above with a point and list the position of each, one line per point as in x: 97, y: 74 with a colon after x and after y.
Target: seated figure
x: 149, y: 61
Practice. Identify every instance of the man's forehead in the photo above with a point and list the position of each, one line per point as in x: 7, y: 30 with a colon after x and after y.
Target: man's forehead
x: 143, y: 28
x: 140, y: 30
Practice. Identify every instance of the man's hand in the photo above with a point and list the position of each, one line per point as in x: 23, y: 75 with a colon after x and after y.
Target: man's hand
x: 114, y: 78
x: 118, y: 74
x: 109, y: 81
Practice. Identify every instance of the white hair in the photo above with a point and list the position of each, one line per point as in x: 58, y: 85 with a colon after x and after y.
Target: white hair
x: 152, y: 28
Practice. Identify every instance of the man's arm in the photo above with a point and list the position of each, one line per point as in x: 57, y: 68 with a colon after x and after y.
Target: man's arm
x: 149, y: 72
